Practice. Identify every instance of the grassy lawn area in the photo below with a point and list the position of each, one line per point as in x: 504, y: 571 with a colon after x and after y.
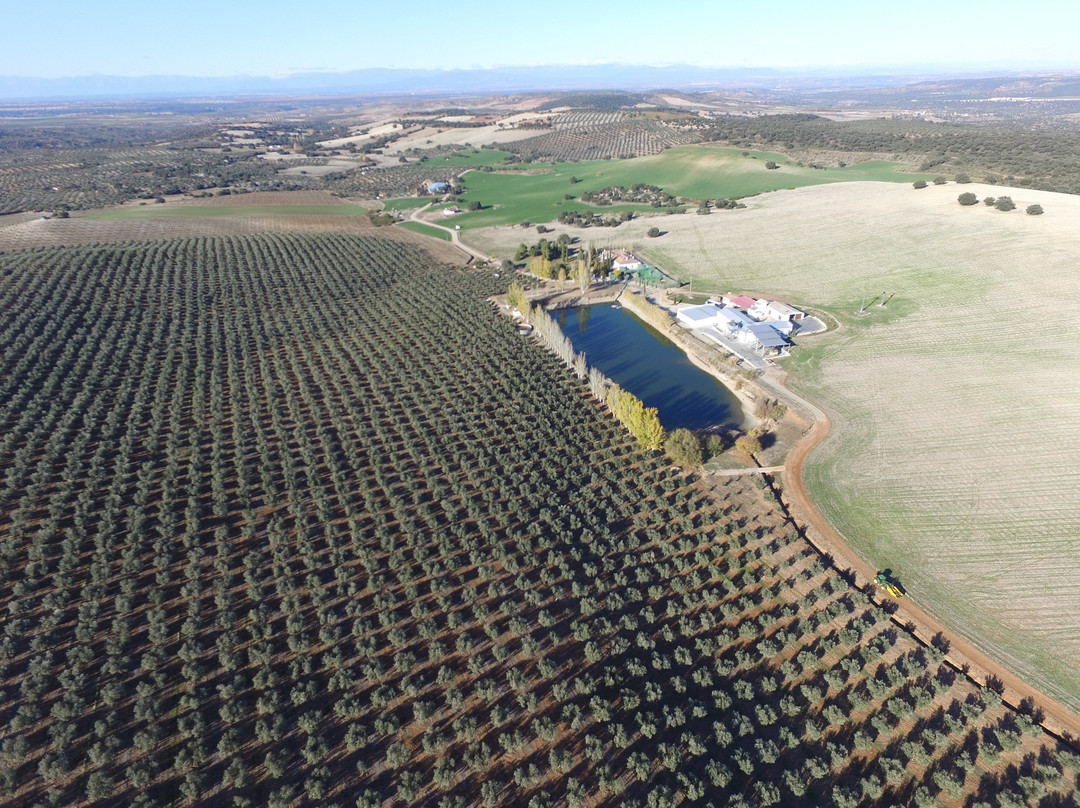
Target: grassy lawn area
x: 426, y: 229
x: 699, y: 172
x: 190, y: 211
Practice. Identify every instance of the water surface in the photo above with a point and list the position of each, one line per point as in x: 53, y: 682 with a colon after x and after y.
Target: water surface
x: 651, y: 367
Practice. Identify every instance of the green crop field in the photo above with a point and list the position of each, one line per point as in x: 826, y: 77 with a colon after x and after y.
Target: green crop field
x: 189, y: 211
x: 297, y: 520
x: 406, y: 203
x: 427, y: 230
x: 470, y: 157
x: 955, y: 408
x: 690, y: 171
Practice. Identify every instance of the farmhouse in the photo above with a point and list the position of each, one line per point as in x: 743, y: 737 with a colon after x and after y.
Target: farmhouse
x: 451, y: 211
x: 622, y: 260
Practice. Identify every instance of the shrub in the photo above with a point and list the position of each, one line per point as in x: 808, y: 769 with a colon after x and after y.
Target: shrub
x: 919, y: 184
x: 683, y: 448
x: 989, y: 201
x: 714, y: 445
x: 749, y: 444
x: 1005, y: 203
x: 967, y: 198
x: 1034, y: 210
x: 962, y: 179
x: 939, y: 180
x: 653, y: 232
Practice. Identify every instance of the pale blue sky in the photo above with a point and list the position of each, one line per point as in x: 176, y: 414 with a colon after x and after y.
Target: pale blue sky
x: 238, y: 37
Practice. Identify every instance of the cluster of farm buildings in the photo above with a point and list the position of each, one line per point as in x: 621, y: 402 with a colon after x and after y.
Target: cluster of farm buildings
x: 763, y: 326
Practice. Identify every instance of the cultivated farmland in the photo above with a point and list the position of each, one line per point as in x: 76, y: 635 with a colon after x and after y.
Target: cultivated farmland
x: 696, y: 172
x: 299, y: 520
x: 955, y: 408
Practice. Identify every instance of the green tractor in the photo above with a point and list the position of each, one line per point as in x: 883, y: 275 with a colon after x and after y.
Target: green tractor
x: 888, y: 582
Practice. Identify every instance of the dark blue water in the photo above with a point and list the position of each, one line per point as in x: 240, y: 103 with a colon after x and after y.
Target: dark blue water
x: 650, y: 366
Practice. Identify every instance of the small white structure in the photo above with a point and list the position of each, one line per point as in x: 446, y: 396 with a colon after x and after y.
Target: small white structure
x: 451, y: 211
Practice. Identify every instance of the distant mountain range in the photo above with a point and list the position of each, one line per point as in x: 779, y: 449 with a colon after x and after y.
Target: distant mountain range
x: 383, y: 81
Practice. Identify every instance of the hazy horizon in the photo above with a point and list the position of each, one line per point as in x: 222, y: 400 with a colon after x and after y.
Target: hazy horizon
x: 212, y: 40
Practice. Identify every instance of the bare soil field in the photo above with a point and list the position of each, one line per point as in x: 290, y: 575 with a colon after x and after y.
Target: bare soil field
x: 473, y: 136
x: 955, y: 407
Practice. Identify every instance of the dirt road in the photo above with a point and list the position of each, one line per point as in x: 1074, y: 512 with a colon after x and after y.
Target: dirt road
x: 1058, y: 719
x: 455, y: 238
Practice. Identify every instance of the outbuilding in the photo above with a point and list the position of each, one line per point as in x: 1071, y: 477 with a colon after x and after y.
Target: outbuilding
x: 697, y: 316
x: 783, y: 312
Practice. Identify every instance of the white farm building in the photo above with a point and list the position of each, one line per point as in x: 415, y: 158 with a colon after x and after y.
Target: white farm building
x: 697, y: 316
x: 737, y: 326
x: 775, y: 310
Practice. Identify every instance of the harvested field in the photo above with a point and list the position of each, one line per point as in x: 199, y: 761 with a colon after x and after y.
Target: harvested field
x: 955, y: 407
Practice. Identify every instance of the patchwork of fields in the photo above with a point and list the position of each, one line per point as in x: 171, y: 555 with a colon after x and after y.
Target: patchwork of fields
x: 300, y: 520
x: 698, y: 172
x: 955, y: 408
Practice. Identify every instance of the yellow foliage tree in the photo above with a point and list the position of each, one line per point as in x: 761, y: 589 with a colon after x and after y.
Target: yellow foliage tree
x: 581, y: 273
x: 642, y: 422
x: 651, y: 433
x: 515, y: 297
x: 540, y: 266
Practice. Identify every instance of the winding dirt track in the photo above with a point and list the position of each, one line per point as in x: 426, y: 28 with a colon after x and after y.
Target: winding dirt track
x: 455, y: 237
x: 1057, y: 719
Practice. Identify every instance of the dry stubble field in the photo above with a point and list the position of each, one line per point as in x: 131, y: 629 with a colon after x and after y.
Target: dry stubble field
x: 956, y: 408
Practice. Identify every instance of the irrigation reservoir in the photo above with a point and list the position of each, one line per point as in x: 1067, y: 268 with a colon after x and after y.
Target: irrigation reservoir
x: 643, y: 361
